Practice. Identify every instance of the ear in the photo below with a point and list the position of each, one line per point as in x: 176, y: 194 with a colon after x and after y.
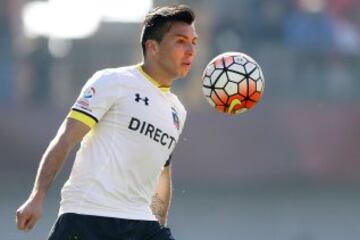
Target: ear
x: 152, y: 46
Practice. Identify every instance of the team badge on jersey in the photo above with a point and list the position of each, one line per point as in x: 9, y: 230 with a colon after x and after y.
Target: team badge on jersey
x: 175, y: 118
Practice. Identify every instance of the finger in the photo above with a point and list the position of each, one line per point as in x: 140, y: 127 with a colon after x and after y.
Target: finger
x: 30, y: 223
x: 21, y: 220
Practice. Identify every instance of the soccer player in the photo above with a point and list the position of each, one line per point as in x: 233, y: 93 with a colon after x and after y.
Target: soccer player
x: 128, y: 123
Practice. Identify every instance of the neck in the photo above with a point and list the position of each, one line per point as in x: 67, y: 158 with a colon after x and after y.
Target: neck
x: 157, y: 74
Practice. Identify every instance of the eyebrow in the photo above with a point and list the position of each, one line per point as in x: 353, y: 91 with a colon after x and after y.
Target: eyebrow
x: 185, y: 36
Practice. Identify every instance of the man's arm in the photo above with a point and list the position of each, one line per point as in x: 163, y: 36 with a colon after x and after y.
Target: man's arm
x: 161, y: 200
x: 68, y: 136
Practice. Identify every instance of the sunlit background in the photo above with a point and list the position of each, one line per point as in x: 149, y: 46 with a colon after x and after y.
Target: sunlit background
x: 287, y: 170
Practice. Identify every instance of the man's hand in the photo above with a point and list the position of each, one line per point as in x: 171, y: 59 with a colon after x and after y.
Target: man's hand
x: 69, y: 134
x: 28, y: 213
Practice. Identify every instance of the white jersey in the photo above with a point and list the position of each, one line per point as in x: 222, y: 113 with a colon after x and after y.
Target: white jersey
x: 135, y: 126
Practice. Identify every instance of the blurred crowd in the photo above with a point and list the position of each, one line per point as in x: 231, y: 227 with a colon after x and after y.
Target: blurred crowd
x: 310, y: 48
x: 307, y: 48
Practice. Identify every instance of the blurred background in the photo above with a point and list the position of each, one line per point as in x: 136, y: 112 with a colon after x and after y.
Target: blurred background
x: 286, y: 170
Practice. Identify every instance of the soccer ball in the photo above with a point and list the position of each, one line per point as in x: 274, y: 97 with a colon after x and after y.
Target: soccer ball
x: 233, y: 82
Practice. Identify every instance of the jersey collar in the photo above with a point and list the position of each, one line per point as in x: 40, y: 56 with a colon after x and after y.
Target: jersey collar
x: 150, y: 79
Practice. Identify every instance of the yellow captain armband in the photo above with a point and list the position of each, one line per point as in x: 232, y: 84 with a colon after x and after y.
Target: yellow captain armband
x: 83, y: 117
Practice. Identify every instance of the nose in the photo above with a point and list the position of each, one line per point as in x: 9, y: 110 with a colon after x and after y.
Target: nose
x: 190, y: 49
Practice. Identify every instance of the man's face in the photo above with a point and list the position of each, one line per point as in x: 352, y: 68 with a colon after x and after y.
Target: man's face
x: 177, y: 50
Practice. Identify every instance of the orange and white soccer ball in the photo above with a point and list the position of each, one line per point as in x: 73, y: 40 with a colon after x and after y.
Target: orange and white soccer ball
x: 233, y: 82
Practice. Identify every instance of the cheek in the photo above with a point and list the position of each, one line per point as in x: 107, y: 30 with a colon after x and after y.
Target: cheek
x: 174, y: 55
x: 172, y: 52
x: 178, y: 52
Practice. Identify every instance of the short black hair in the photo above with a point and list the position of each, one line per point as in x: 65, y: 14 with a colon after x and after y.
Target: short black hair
x: 159, y: 21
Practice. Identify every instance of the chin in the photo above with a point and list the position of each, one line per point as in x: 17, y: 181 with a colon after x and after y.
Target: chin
x: 183, y: 74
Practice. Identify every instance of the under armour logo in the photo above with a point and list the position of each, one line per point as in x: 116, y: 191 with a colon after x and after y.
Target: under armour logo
x: 138, y: 98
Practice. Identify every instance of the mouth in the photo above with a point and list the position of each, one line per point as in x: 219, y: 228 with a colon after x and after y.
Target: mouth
x: 188, y: 64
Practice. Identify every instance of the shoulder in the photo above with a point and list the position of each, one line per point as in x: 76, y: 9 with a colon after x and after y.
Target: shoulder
x: 115, y: 74
x: 113, y: 77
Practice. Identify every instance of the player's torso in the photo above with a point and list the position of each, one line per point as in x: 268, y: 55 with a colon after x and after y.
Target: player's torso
x: 144, y: 118
x: 118, y: 164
